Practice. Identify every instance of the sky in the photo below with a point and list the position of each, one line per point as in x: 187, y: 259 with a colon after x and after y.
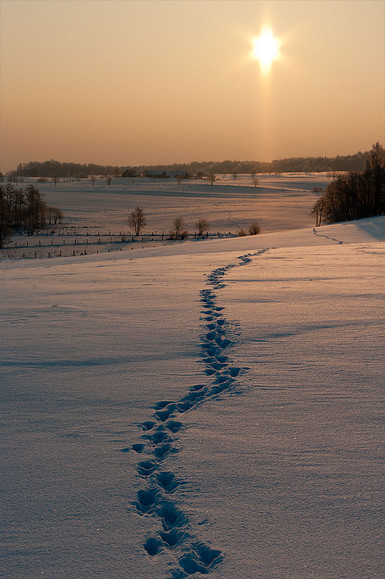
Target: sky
x: 153, y: 82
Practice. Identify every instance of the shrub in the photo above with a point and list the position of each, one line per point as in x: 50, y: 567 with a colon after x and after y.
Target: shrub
x: 254, y: 229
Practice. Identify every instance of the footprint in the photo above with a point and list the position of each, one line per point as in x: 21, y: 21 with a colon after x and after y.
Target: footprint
x: 223, y: 342
x: 194, y: 396
x: 212, y: 350
x: 163, y: 415
x: 171, y: 516
x: 146, y: 499
x: 174, y: 425
x: 147, y: 425
x: 220, y: 331
x: 152, y: 546
x: 146, y: 467
x: 163, y: 450
x: 157, y: 437
x: 221, y: 378
x: 216, y: 365
x: 218, y: 388
x: 173, y: 538
x: 138, y: 447
x: 184, y: 406
x: 167, y: 481
x: 201, y: 559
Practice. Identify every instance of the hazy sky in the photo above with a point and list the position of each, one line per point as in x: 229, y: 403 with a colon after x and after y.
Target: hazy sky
x: 145, y: 82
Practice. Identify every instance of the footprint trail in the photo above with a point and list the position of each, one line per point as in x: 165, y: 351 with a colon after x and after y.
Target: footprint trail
x: 160, y: 435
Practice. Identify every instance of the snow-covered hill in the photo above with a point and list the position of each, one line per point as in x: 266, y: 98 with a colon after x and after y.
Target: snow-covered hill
x: 209, y: 408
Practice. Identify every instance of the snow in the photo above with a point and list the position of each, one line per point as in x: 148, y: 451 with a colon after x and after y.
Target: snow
x: 96, y: 215
x: 265, y: 352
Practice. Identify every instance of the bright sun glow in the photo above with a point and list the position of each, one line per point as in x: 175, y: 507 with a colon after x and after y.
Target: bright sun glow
x: 266, y: 49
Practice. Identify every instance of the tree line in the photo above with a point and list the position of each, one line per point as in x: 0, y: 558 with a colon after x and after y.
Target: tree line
x: 56, y: 169
x: 355, y: 195
x: 289, y: 165
x: 24, y: 210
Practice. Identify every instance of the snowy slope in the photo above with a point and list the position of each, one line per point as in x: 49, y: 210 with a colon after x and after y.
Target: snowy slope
x: 208, y: 407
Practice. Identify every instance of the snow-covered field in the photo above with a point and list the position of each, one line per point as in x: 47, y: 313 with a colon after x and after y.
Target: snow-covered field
x: 95, y: 216
x: 209, y: 408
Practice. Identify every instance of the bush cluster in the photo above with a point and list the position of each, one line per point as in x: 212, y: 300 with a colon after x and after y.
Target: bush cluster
x: 253, y: 229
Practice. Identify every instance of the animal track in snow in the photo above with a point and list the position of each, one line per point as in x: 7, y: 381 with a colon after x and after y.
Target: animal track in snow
x: 326, y: 236
x: 161, y: 432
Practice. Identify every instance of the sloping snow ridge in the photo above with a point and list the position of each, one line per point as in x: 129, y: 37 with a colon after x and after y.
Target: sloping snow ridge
x: 198, y: 409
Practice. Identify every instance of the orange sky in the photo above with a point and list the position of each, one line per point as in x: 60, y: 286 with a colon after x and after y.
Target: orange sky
x: 145, y: 82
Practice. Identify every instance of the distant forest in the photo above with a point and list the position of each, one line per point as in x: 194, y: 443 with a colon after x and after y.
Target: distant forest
x: 52, y: 169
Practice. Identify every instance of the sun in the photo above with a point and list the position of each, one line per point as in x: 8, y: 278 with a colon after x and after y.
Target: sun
x: 266, y: 49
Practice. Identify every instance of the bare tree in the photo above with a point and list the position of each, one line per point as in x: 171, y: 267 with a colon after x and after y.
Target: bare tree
x: 5, y: 229
x: 55, y: 214
x: 137, y: 220
x: 18, y: 208
x: 201, y: 226
x: 179, y: 178
x: 36, y: 209
x: 317, y: 211
x: 108, y: 180
x: 211, y: 178
x: 178, y: 231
